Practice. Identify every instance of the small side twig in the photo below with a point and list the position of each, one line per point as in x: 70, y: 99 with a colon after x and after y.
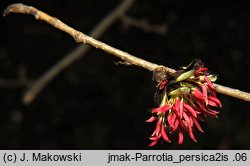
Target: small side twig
x: 126, y: 57
x: 144, y: 25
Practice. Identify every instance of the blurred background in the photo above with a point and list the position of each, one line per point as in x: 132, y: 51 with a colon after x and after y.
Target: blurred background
x: 96, y: 104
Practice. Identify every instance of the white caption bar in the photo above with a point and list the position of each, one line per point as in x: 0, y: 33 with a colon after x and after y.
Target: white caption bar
x: 125, y: 157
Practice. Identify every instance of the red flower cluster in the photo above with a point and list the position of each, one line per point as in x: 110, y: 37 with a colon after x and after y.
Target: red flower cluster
x: 187, y: 97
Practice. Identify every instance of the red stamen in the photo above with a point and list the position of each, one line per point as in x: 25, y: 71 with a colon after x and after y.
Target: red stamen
x: 197, y: 94
x: 209, y: 83
x: 161, y: 109
x: 164, y: 134
x: 153, y: 143
x: 204, y: 92
x: 196, y: 123
x: 151, y: 119
x: 191, y: 134
x: 180, y: 135
x: 190, y: 109
x: 214, y: 99
x: 200, y: 70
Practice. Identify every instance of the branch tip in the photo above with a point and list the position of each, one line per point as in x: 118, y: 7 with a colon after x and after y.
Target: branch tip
x: 14, y: 8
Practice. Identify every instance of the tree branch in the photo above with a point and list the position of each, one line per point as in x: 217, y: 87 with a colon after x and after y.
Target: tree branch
x: 36, y: 87
x: 126, y: 57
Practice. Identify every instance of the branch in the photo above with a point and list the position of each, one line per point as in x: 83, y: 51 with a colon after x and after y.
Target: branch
x: 36, y: 87
x: 126, y: 57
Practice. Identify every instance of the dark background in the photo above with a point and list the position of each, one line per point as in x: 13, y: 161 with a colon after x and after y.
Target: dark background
x: 95, y: 104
